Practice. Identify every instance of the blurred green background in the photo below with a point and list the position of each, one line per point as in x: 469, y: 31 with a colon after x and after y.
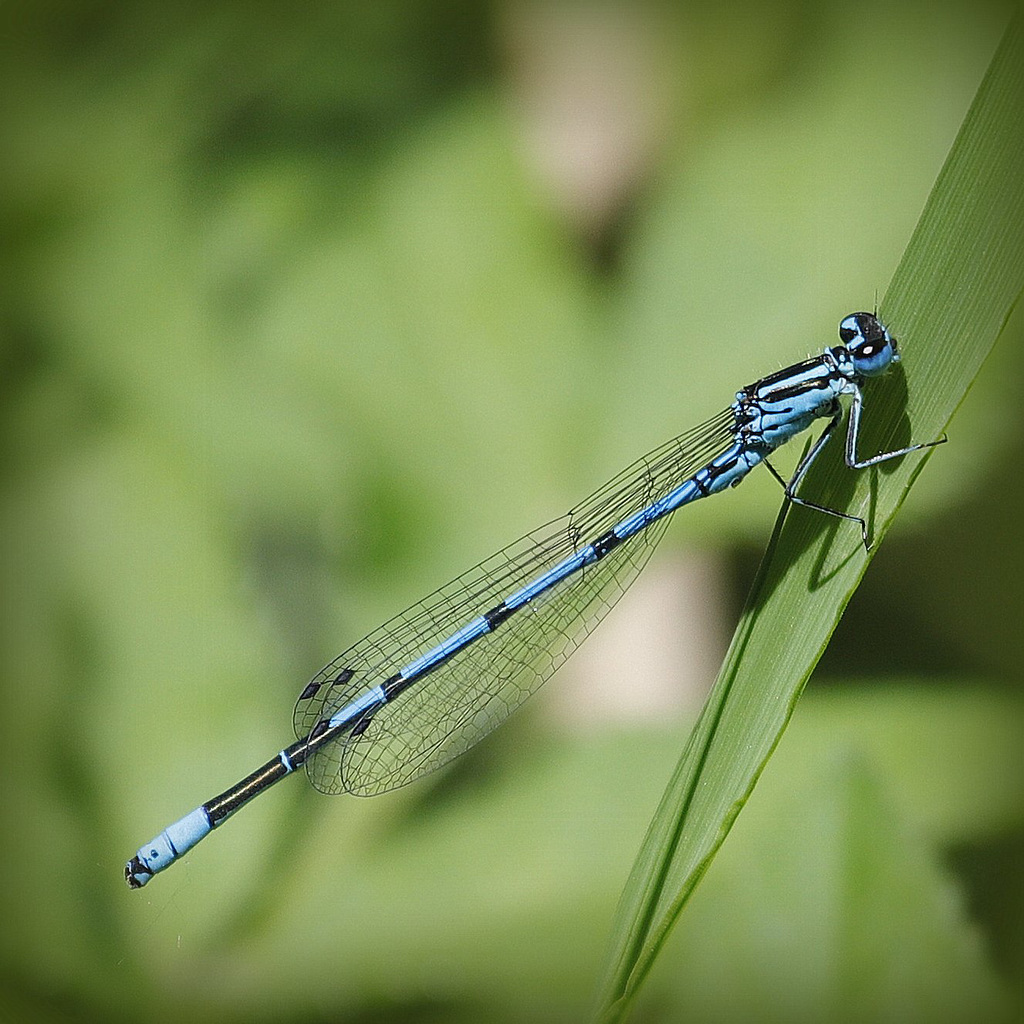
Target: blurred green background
x: 305, y: 310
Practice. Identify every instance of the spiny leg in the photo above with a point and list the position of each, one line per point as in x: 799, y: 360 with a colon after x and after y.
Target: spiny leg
x: 801, y: 470
x: 852, y: 461
x: 854, y: 428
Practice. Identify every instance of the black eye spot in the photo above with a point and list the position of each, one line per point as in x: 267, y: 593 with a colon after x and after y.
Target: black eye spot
x: 867, y: 351
x: 847, y: 334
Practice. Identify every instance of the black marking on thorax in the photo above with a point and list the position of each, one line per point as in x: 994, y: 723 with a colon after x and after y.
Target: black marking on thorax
x: 804, y: 387
x: 782, y: 375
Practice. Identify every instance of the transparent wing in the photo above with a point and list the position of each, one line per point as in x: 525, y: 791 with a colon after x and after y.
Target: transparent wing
x: 448, y: 710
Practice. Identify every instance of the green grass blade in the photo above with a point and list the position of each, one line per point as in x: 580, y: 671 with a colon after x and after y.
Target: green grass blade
x: 949, y: 299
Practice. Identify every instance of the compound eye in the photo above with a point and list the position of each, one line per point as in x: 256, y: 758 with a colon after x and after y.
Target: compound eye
x: 868, y: 343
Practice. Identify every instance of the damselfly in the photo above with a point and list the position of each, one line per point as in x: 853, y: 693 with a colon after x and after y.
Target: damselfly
x: 431, y: 682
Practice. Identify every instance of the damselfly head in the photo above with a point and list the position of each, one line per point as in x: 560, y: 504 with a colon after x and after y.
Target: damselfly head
x: 869, y: 343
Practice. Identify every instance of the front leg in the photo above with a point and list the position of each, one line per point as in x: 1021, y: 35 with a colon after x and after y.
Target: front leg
x: 854, y: 428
